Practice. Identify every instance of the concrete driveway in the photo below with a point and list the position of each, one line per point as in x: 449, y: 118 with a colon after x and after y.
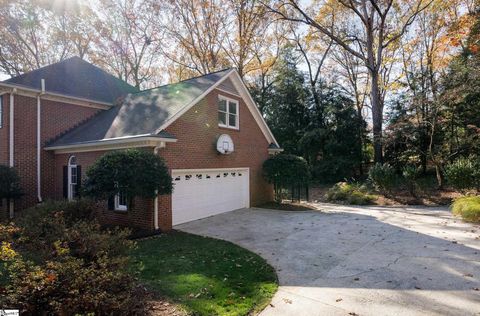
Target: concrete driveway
x: 360, y: 260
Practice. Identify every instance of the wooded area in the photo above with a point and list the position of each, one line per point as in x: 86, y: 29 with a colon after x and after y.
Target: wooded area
x: 342, y: 83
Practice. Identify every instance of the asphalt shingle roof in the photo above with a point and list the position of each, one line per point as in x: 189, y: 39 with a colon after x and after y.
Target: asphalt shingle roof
x: 78, y: 78
x: 141, y: 113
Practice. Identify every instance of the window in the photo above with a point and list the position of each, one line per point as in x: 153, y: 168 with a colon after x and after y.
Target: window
x: 1, y: 111
x: 72, y: 178
x: 228, y: 113
x: 121, y: 202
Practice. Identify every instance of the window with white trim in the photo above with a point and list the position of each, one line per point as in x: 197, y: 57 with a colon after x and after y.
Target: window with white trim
x: 72, y: 178
x: 121, y: 201
x: 1, y: 111
x: 228, y: 112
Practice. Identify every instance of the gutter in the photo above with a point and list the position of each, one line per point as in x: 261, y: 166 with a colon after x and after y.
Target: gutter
x: 112, y: 141
x: 155, y: 200
x: 53, y: 94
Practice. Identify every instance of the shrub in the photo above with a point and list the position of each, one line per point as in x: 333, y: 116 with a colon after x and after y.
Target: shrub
x: 132, y: 172
x: 350, y: 194
x: 9, y: 184
x: 383, y: 177
x: 410, y: 175
x: 468, y: 207
x: 285, y: 170
x: 463, y: 174
x: 67, y: 265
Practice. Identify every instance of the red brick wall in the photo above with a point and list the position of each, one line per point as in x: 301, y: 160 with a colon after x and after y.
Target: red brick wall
x: 56, y: 118
x: 197, y: 131
x: 141, y: 216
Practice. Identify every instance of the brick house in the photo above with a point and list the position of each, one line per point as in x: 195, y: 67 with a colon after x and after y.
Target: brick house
x: 57, y: 120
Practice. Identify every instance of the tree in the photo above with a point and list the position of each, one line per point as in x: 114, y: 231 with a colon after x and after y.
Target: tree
x: 10, y: 188
x: 130, y: 172
x: 287, y: 111
x: 131, y: 39
x: 285, y: 171
x: 381, y: 24
x: 197, y: 29
x: 36, y: 33
x: 333, y: 142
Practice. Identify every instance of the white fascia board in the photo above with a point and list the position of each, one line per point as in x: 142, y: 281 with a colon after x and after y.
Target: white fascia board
x: 30, y: 92
x: 244, y: 94
x: 247, y: 97
x: 113, y: 143
x: 194, y: 102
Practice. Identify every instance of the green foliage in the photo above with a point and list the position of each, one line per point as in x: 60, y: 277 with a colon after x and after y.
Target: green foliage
x: 333, y: 142
x: 318, y: 123
x: 350, y: 194
x: 287, y: 106
x: 133, y: 172
x: 207, y: 276
x: 286, y: 170
x: 463, y: 174
x: 9, y: 183
x: 383, y: 177
x: 468, y: 207
x: 56, y: 262
x: 410, y: 174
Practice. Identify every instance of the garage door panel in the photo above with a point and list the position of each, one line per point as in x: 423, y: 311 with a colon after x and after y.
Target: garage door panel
x: 198, y: 194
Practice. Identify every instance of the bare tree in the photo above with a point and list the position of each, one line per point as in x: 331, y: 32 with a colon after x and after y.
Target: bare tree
x: 131, y: 39
x: 380, y: 25
x: 197, y: 29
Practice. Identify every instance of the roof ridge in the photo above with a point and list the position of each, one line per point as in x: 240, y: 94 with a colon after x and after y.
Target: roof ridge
x: 192, y: 78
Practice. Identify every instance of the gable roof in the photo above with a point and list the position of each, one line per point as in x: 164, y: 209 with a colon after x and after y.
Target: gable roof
x: 148, y: 113
x: 77, y: 78
x: 141, y: 113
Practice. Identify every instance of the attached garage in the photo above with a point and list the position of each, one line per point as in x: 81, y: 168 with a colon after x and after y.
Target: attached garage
x: 200, y: 193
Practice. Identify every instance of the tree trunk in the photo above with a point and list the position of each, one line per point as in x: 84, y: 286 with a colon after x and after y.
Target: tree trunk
x: 377, y: 117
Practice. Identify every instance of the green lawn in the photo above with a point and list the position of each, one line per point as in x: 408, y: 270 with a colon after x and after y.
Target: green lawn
x: 206, y: 276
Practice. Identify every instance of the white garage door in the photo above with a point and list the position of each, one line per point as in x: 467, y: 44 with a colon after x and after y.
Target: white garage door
x: 202, y: 193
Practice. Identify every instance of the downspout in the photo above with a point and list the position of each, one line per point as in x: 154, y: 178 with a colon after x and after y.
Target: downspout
x: 39, y: 144
x: 11, y: 146
x: 155, y: 200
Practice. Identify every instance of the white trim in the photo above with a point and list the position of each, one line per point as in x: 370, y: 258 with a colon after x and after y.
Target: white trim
x: 237, y: 115
x: 22, y: 90
x: 11, y: 130
x: 155, y: 200
x: 114, y: 143
x: 70, y: 166
x: 244, y: 94
x: 39, y: 150
x: 210, y: 169
x: 228, y: 92
x: 191, y: 104
x: 272, y: 151
x: 118, y: 206
x: 247, y: 97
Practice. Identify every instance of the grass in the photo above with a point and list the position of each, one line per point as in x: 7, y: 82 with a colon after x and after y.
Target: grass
x: 206, y: 276
x: 468, y: 207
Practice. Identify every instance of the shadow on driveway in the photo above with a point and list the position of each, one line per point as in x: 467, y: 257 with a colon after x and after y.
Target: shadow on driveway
x: 361, y: 260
